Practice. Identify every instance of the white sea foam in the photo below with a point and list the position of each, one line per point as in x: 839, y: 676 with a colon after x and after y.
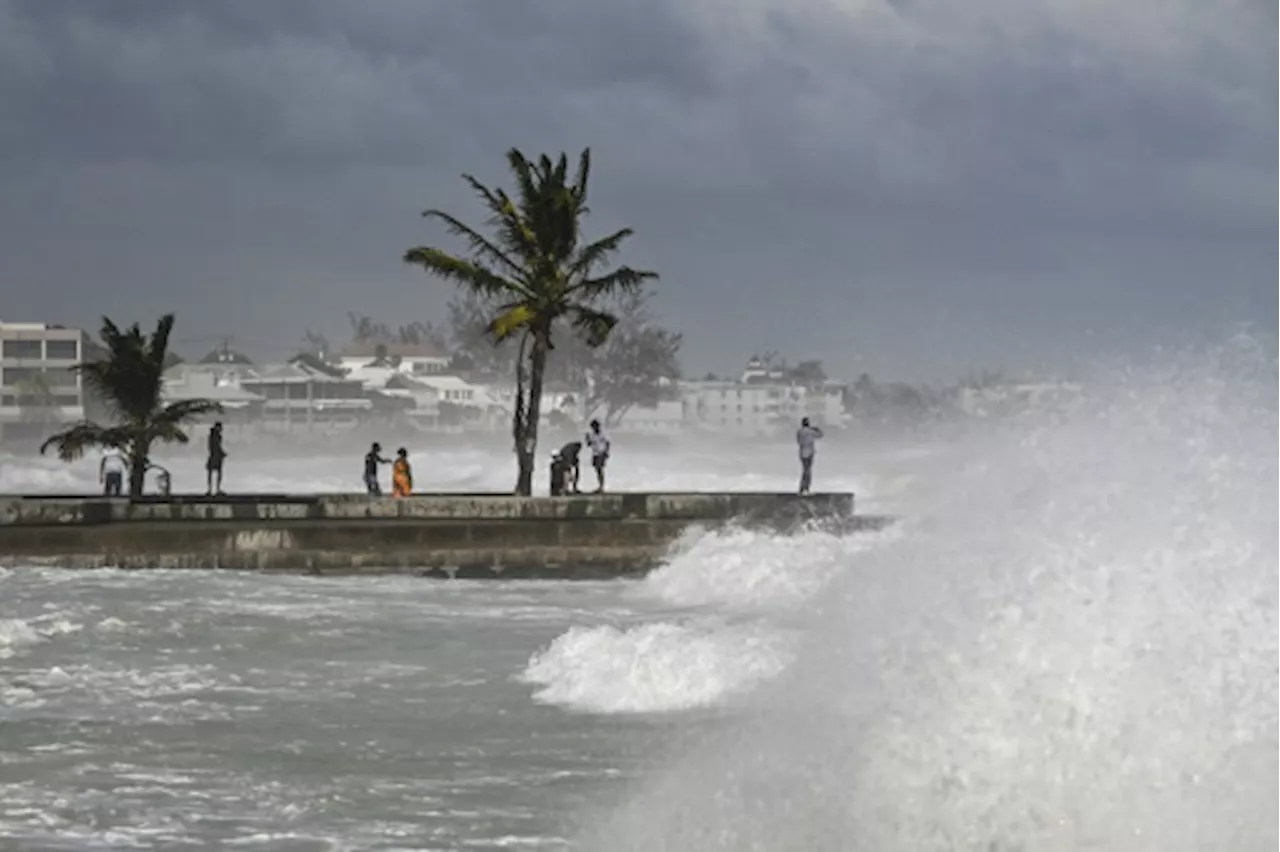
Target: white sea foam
x: 756, y: 570
x: 1075, y: 648
x: 653, y: 667
x: 14, y: 635
x: 17, y: 634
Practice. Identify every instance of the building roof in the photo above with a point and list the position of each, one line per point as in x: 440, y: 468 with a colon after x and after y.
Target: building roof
x: 444, y: 381
x: 318, y: 365
x: 184, y: 383
x: 294, y: 372
x: 402, y: 381
x: 401, y: 350
x: 226, y: 356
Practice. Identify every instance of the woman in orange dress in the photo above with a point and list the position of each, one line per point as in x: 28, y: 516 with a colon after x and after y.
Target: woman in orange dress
x: 401, y: 475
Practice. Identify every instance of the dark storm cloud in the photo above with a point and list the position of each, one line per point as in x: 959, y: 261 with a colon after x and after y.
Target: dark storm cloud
x: 1041, y: 166
x: 312, y: 84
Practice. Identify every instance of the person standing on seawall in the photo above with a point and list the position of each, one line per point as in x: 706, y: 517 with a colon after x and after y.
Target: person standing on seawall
x: 372, y: 459
x: 599, y: 444
x: 401, y: 475
x: 806, y: 437
x: 213, y: 467
x: 111, y: 472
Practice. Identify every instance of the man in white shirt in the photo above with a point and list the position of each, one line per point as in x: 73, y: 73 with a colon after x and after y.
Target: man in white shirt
x: 111, y: 472
x: 806, y: 437
x: 599, y: 445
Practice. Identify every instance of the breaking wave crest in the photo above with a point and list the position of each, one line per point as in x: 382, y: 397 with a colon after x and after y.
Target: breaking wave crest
x: 1075, y: 648
x: 652, y: 668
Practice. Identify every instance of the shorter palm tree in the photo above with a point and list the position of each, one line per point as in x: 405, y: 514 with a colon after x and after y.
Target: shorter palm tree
x: 129, y: 381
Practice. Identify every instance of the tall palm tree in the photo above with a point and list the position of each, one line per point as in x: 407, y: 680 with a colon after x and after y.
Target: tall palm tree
x: 538, y: 272
x: 129, y: 382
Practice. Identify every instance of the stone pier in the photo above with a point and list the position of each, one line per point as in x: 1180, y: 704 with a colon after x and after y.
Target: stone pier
x: 465, y: 536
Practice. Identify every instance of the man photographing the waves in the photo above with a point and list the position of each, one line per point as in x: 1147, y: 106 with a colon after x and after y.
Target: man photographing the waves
x: 806, y: 438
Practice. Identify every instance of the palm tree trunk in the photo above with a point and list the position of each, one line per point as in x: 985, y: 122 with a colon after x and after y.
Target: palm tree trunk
x: 138, y: 461
x: 527, y: 446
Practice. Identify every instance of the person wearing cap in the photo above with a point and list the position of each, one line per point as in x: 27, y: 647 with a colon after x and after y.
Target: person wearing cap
x: 564, y: 469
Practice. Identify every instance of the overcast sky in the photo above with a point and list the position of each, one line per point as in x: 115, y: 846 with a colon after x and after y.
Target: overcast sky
x: 907, y: 187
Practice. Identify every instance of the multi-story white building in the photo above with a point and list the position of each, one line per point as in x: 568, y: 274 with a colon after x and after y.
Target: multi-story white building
x: 38, y: 386
x: 764, y: 402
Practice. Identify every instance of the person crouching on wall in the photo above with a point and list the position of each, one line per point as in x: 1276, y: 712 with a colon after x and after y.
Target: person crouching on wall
x: 401, y: 475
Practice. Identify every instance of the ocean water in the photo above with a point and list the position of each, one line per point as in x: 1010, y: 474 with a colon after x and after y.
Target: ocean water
x: 1069, y: 642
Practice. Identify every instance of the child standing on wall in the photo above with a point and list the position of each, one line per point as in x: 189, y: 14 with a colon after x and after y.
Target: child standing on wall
x: 401, y: 475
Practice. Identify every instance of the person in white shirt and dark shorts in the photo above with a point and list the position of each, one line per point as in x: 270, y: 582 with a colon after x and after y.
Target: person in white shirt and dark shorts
x: 599, y: 444
x: 111, y: 472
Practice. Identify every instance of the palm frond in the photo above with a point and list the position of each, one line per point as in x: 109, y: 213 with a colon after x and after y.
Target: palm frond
x: 517, y: 230
x: 169, y: 432
x: 72, y: 443
x: 480, y: 244
x: 580, y: 181
x: 525, y: 179
x: 505, y: 219
x: 186, y: 409
x: 472, y: 275
x: 621, y: 281
x: 589, y: 257
x: 512, y: 319
x: 594, y: 325
x: 158, y: 345
x: 489, y: 196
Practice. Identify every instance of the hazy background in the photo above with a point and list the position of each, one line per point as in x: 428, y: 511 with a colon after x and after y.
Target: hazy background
x: 907, y: 187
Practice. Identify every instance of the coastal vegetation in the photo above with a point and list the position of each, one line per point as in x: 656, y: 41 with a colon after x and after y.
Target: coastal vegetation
x: 127, y: 381
x: 534, y: 274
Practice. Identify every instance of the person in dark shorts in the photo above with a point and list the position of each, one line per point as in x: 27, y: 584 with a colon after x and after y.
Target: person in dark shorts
x: 564, y: 469
x: 806, y: 436
x: 213, y: 466
x: 599, y: 444
x: 111, y: 472
x: 372, y: 459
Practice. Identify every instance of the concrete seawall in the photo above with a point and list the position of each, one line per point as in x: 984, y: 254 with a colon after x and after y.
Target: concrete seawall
x: 446, y: 535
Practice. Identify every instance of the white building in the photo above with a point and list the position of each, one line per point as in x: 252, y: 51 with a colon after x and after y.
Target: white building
x: 667, y: 417
x: 760, y: 407
x: 415, y: 359
x: 37, y: 385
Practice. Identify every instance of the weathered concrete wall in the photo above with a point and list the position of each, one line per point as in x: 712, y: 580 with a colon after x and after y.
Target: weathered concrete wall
x: 440, y: 535
x: 691, y: 506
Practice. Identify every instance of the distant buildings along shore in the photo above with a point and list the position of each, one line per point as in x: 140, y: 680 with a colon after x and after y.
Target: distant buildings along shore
x: 411, y: 384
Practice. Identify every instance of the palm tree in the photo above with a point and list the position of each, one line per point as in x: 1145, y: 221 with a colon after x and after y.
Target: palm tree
x: 537, y: 272
x: 129, y: 382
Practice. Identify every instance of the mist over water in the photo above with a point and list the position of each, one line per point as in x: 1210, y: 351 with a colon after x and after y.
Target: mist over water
x: 1072, y: 645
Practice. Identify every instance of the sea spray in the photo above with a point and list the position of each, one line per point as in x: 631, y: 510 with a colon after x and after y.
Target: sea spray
x: 757, y: 570
x: 658, y: 667
x: 1075, y: 648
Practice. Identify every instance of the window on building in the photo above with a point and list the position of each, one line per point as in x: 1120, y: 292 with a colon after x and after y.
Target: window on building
x: 62, y: 350
x: 17, y: 375
x: 68, y: 400
x: 23, y: 349
x: 58, y: 377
